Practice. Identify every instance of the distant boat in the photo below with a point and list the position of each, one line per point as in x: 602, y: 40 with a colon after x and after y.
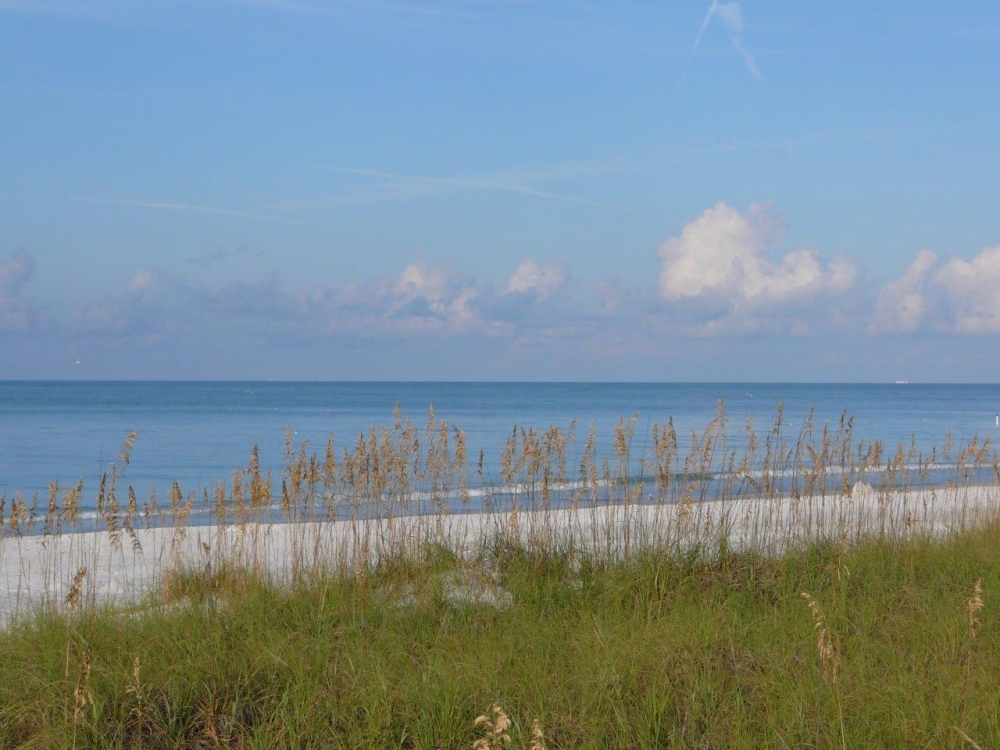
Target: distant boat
x: 902, y: 382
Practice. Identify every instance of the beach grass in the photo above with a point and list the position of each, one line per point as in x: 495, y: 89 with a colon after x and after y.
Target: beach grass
x: 653, y: 651
x: 818, y: 593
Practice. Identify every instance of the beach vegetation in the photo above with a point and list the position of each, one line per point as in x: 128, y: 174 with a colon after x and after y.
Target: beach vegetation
x: 750, y: 590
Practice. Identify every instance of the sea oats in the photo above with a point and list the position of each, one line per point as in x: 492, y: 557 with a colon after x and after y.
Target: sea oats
x: 495, y: 727
x: 137, y: 714
x: 537, y: 736
x: 824, y: 641
x: 75, y: 595
x: 81, y: 693
x: 975, y: 605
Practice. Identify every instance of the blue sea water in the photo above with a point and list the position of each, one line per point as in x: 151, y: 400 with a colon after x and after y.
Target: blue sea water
x: 199, y: 432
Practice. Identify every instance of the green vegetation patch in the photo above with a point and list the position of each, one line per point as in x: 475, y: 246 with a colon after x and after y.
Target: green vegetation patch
x: 887, y: 644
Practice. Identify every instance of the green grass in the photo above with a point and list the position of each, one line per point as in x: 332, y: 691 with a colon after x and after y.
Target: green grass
x: 656, y: 651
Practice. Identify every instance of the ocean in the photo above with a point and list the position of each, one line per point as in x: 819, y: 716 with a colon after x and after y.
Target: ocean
x: 198, y: 432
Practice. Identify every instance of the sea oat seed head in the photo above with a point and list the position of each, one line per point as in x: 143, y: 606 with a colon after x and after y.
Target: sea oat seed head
x: 975, y: 604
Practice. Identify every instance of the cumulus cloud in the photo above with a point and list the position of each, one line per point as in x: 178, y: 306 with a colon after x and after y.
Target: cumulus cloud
x: 433, y: 284
x: 902, y: 304
x: 954, y: 296
x: 533, y: 279
x: 15, y: 272
x: 972, y: 290
x: 156, y: 303
x: 422, y: 300
x: 718, y: 269
x: 434, y: 299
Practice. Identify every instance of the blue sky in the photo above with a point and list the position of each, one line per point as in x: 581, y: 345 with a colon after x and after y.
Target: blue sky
x: 499, y: 189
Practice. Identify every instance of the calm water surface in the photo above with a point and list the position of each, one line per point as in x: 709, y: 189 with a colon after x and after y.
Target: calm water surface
x: 199, y: 432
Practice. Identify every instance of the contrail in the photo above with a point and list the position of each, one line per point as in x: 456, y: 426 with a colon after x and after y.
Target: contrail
x: 731, y: 14
x: 712, y: 10
x: 469, y: 183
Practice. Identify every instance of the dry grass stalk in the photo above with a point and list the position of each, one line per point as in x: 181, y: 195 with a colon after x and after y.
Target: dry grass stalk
x: 137, y: 713
x: 828, y: 657
x: 537, y: 736
x: 975, y: 604
x: 495, y: 728
x: 81, y: 693
x: 972, y: 743
x: 125, y: 455
x: 824, y: 641
x: 52, y: 519
x: 71, y: 504
x: 75, y: 595
x: 841, y: 571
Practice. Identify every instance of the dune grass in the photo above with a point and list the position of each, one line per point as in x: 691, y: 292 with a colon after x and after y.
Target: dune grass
x: 653, y: 651
x: 774, y: 595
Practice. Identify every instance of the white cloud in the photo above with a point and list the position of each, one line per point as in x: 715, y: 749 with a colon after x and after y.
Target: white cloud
x: 433, y: 299
x: 156, y: 302
x: 972, y: 289
x: 462, y: 310
x: 422, y: 300
x: 419, y: 281
x: 532, y: 278
x: 902, y: 304
x: 718, y: 267
x: 954, y: 295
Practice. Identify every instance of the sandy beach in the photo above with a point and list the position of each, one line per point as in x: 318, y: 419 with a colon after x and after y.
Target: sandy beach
x: 38, y: 571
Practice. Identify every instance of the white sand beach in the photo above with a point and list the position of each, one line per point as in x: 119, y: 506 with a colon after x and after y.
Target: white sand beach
x: 38, y: 571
